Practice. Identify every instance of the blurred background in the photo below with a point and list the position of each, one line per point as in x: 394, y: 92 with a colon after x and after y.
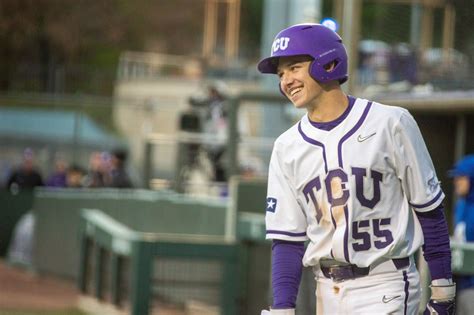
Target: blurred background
x: 80, y: 77
x: 109, y: 104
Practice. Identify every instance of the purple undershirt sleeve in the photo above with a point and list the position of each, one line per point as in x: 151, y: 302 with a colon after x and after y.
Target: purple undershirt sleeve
x: 287, y: 267
x: 436, y: 249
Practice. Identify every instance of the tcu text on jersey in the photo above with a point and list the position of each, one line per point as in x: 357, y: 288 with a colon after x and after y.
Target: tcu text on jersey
x: 335, y: 183
x: 340, y: 198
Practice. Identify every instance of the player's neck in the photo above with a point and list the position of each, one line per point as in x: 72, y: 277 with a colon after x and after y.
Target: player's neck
x: 331, y: 104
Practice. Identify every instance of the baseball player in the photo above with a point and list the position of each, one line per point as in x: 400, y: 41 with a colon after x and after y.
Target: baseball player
x: 353, y: 178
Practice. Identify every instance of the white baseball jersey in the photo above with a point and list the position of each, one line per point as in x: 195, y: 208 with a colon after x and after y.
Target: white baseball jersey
x: 352, y: 190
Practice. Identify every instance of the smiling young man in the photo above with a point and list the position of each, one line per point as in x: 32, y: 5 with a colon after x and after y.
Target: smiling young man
x: 353, y: 179
x: 324, y: 102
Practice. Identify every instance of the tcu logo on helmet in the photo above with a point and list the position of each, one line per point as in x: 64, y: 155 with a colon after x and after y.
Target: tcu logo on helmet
x: 280, y: 44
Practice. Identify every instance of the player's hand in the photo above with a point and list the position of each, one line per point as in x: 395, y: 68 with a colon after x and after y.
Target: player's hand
x: 442, y: 300
x: 279, y: 312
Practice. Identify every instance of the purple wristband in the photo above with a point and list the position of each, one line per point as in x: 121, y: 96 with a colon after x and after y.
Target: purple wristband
x: 286, y: 272
x: 436, y: 250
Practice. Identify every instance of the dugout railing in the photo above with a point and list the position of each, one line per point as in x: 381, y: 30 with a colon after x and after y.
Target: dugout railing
x: 101, y: 234
x: 57, y: 213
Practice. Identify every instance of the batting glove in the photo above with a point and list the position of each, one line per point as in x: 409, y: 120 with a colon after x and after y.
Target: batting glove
x: 442, y: 300
x: 279, y: 312
x: 440, y: 308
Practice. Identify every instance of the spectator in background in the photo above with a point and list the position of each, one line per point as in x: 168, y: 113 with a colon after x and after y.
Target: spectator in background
x: 366, y: 68
x: 463, y: 176
x: 118, y: 175
x: 75, y: 176
x: 99, y: 163
x: 58, y: 177
x: 191, y: 121
x: 26, y: 176
x: 216, y: 125
x: 403, y: 64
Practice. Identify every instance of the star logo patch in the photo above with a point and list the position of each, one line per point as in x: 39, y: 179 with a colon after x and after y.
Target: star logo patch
x: 271, y: 204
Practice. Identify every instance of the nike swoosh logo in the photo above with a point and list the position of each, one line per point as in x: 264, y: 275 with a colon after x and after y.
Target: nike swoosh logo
x: 360, y: 138
x: 387, y: 299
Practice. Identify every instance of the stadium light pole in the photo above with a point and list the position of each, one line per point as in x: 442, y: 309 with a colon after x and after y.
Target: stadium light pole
x: 351, y: 10
x: 415, y: 24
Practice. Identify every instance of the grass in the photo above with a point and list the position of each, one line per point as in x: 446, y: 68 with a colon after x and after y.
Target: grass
x: 63, y: 312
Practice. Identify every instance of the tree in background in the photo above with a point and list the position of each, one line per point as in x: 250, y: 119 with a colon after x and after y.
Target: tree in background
x: 41, y: 36
x: 74, y: 45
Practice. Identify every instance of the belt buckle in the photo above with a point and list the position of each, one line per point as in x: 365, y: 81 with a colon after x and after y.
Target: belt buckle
x: 341, y: 273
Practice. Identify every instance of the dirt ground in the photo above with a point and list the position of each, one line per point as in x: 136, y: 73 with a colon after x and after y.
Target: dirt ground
x: 23, y: 290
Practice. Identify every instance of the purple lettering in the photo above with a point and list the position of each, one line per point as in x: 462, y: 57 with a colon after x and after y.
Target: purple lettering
x: 309, y: 193
x: 363, y: 236
x: 359, y: 174
x: 336, y: 187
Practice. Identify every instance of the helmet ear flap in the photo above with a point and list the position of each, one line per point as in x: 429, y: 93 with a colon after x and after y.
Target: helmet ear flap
x: 319, y: 72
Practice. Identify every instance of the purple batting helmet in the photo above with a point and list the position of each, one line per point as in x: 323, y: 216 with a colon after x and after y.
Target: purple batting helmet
x: 314, y: 40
